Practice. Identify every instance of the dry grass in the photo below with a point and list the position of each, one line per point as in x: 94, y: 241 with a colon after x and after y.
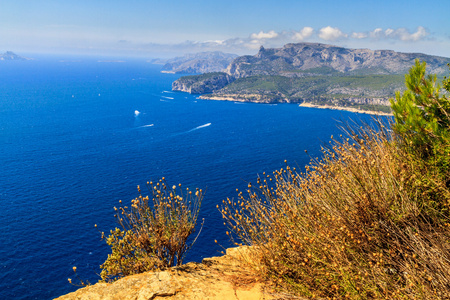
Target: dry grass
x: 154, y: 231
x: 368, y: 221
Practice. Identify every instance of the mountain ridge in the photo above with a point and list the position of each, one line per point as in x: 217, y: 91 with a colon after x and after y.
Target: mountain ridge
x: 203, y: 62
x: 313, y: 73
x: 9, y: 55
x: 306, y: 56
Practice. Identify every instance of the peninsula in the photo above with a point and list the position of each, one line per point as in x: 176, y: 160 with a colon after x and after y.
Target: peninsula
x: 314, y: 74
x: 9, y: 55
x: 203, y: 62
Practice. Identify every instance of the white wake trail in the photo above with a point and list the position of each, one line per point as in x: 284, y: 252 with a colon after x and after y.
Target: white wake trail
x: 201, y: 126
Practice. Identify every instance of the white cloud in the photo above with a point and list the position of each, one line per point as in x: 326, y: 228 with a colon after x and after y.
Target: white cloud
x: 306, y: 32
x: 418, y: 35
x: 264, y: 35
x: 331, y: 33
x: 389, y: 31
x: 359, y: 35
x: 273, y: 39
x: 376, y: 38
x: 253, y: 45
x: 377, y: 33
x: 218, y: 42
x: 400, y: 34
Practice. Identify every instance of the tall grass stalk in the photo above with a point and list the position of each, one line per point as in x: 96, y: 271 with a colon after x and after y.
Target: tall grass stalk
x: 361, y: 223
x: 153, y: 232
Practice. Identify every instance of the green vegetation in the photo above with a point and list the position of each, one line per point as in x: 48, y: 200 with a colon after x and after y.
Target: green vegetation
x: 319, y: 71
x: 154, y: 231
x: 370, y: 220
x: 422, y: 118
x: 342, y: 90
x: 201, y: 77
x: 374, y: 107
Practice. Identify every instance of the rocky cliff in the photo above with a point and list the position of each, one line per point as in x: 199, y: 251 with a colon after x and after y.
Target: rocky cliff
x: 294, y: 59
x: 313, y: 73
x: 224, y: 277
x: 203, y: 62
x: 202, y: 84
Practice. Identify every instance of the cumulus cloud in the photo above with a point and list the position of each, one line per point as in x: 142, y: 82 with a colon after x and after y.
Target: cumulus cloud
x: 404, y: 35
x: 273, y: 39
x: 264, y: 35
x: 401, y: 34
x: 377, y: 33
x: 389, y: 32
x: 359, y: 35
x: 331, y: 33
x: 303, y: 34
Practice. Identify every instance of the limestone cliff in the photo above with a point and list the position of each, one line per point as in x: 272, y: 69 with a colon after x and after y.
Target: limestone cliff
x: 313, y: 73
x: 202, y: 84
x: 202, y: 62
x: 224, y: 277
x: 293, y: 60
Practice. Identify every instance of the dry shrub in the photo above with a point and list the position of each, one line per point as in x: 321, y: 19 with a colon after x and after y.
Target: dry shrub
x: 154, y: 231
x: 368, y: 221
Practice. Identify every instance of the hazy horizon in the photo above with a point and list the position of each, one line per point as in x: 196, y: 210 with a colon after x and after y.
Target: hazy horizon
x: 166, y: 29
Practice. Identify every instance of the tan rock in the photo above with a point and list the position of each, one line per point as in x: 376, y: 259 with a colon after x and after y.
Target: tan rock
x: 224, y: 277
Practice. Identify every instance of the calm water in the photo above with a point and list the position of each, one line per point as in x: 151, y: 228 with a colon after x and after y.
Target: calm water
x: 72, y: 147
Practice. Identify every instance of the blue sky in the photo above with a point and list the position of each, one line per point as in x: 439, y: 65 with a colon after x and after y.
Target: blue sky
x: 167, y: 28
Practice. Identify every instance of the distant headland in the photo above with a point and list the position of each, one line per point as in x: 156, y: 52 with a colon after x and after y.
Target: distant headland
x: 203, y: 62
x: 312, y: 73
x: 9, y: 55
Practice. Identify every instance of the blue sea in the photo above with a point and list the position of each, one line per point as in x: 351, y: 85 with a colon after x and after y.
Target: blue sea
x: 78, y: 134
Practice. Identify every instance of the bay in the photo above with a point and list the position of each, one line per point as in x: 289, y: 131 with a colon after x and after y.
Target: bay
x: 79, y: 134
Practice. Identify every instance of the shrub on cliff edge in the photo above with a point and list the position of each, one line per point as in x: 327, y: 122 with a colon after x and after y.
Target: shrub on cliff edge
x: 370, y: 220
x: 154, y: 231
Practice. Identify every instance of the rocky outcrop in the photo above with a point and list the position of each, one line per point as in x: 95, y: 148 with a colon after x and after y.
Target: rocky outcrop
x: 225, y: 277
x: 199, y: 63
x: 248, y: 97
x: 202, y: 84
x: 8, y: 55
x: 312, y: 72
x: 294, y: 59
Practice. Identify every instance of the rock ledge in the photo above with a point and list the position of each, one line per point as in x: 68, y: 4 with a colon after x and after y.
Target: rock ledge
x: 224, y: 277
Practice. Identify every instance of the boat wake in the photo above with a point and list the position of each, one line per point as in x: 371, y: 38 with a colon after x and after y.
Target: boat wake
x: 171, y: 98
x: 193, y: 129
x: 149, y: 125
x: 201, y: 126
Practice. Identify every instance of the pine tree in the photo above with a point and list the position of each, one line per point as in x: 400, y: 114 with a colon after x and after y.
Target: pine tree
x: 422, y: 117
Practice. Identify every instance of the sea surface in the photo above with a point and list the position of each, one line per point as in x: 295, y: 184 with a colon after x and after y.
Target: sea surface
x: 79, y: 134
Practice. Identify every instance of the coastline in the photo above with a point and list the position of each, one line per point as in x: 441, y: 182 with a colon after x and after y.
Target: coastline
x: 218, y: 98
x: 351, y: 109
x: 251, y: 98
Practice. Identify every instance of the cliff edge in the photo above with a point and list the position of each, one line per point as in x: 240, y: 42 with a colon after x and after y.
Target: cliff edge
x: 203, y: 62
x: 312, y: 73
x: 201, y: 84
x: 224, y: 277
